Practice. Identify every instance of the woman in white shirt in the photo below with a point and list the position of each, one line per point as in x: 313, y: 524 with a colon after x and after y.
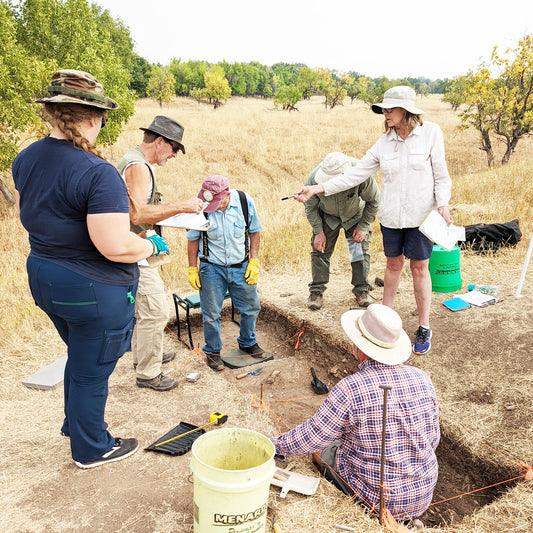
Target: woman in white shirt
x: 415, y: 180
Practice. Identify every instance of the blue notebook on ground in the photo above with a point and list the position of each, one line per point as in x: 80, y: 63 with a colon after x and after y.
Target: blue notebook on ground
x: 456, y: 304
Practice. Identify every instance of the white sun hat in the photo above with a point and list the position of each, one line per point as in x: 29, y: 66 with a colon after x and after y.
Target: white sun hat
x: 333, y: 165
x: 400, y: 96
x: 377, y: 331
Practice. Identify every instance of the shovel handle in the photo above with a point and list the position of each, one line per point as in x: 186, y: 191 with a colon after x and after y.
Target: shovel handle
x: 240, y: 376
x: 313, y: 373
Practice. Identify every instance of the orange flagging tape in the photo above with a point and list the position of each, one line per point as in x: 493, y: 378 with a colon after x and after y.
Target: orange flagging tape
x: 529, y: 471
x: 390, y: 523
x: 297, y: 345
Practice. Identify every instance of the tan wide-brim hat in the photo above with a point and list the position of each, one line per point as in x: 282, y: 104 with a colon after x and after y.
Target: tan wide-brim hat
x: 333, y: 165
x: 377, y: 331
x: 400, y: 96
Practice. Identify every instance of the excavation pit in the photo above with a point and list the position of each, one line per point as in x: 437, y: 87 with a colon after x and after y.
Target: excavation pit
x: 285, y: 384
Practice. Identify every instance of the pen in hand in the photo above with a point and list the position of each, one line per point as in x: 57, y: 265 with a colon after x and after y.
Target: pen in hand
x: 288, y: 197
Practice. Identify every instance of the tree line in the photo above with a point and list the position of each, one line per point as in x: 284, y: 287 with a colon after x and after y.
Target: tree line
x: 38, y: 37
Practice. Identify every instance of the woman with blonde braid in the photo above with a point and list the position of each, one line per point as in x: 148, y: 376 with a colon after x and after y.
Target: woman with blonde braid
x: 82, y: 266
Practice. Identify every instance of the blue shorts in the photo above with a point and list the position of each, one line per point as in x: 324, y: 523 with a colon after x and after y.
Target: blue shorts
x: 410, y: 242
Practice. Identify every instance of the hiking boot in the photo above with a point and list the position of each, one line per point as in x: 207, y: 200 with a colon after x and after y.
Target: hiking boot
x: 123, y: 448
x: 167, y: 357
x: 314, y: 302
x: 422, y: 341
x: 159, y: 383
x: 214, y: 361
x: 362, y: 299
x: 254, y: 350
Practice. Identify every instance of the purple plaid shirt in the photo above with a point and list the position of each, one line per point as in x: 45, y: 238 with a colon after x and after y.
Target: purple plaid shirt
x: 353, y: 413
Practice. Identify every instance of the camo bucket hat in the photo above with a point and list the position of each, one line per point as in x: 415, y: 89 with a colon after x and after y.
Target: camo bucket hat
x: 77, y: 87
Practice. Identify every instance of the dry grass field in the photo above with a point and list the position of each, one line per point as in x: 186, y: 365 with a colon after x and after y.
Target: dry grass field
x: 481, y: 361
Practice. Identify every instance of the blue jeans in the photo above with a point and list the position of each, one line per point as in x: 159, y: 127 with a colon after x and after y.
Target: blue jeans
x: 215, y: 281
x: 96, y: 321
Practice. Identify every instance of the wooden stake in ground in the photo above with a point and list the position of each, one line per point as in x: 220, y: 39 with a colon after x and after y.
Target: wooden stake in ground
x: 386, y: 389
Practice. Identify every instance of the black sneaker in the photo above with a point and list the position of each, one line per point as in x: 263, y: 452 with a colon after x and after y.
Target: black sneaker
x: 214, y: 361
x: 123, y: 448
x: 254, y: 350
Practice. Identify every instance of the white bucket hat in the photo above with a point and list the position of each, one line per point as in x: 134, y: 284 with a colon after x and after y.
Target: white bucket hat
x: 377, y: 332
x: 400, y: 96
x: 333, y: 165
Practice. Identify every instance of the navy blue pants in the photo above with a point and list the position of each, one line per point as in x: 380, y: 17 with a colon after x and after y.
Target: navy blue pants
x: 96, y: 322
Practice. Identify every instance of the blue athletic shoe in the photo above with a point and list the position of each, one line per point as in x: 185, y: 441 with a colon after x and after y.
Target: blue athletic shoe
x: 422, y: 341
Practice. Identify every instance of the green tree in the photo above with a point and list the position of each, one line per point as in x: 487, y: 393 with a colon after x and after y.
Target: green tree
x: 234, y: 73
x: 286, y: 73
x: 502, y: 106
x: 66, y: 33
x: 161, y: 85
x: 217, y: 89
x: 265, y: 82
x: 189, y: 75
x: 307, y: 82
x: 455, y: 92
x: 20, y: 77
x: 140, y: 76
x: 334, y: 89
x: 287, y: 97
x: 114, y: 31
x: 360, y: 88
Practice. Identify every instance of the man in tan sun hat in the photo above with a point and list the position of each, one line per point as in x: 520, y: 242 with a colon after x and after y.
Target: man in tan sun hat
x: 345, y: 434
x: 162, y: 140
x: 354, y: 211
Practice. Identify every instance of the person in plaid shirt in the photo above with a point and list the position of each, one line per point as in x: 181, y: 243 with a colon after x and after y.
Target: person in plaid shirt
x: 345, y: 433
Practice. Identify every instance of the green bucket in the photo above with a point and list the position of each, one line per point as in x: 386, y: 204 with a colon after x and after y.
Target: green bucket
x: 445, y: 269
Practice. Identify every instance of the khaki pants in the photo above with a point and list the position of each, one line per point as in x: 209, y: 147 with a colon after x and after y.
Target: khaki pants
x: 152, y: 314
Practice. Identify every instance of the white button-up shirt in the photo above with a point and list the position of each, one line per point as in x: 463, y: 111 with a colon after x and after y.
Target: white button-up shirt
x: 415, y: 176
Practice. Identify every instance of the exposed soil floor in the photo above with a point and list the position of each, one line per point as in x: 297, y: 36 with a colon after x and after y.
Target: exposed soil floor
x: 478, y: 383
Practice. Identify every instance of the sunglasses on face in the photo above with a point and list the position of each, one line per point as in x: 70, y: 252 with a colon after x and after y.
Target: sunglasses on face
x: 388, y: 111
x: 174, y: 147
x: 104, y: 120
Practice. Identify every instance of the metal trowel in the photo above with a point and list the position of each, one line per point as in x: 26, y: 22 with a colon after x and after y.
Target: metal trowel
x: 318, y: 386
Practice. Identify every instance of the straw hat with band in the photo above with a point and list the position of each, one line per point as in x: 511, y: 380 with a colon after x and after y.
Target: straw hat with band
x: 377, y: 331
x: 77, y: 87
x: 168, y: 128
x: 400, y: 96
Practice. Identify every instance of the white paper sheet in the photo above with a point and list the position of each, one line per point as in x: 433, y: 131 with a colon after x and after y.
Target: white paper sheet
x: 478, y: 298
x: 187, y: 221
x: 436, y: 229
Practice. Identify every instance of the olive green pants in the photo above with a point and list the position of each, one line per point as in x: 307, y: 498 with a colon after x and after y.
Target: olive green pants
x: 320, y: 261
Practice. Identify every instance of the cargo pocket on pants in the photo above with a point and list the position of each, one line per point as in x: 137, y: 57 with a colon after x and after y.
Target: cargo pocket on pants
x: 116, y: 343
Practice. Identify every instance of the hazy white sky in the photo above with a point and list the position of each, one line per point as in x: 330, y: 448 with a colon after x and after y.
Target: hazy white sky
x: 429, y: 38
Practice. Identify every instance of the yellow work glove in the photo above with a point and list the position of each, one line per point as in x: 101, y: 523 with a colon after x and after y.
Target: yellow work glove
x: 194, y: 278
x: 252, y: 272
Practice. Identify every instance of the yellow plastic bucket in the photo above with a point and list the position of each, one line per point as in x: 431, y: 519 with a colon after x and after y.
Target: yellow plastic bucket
x: 232, y: 469
x: 445, y: 269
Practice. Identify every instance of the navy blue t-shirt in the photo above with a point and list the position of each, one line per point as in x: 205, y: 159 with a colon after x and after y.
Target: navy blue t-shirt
x: 59, y: 185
